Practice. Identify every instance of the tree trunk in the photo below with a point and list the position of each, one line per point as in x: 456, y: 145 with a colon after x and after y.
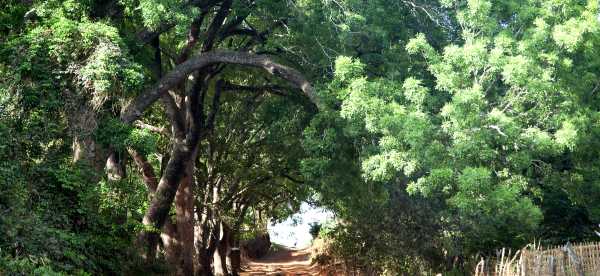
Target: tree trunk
x: 171, y: 244
x: 220, y: 260
x: 184, y: 209
x: 234, y: 256
x: 203, y: 263
x: 204, y: 259
x: 160, y: 205
x: 115, y: 166
x: 211, y: 248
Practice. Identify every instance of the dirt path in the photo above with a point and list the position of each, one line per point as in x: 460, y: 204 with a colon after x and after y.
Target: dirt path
x: 284, y: 262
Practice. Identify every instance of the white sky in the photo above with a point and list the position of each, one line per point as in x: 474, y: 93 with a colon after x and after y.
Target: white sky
x: 293, y: 234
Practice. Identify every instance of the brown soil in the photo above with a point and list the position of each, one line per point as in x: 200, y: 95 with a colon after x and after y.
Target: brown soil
x: 284, y: 262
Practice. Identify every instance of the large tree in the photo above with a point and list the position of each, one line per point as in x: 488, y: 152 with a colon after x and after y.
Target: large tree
x: 489, y: 126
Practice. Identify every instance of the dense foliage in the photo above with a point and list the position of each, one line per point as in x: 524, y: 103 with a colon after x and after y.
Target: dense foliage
x: 481, y: 142
x: 146, y: 136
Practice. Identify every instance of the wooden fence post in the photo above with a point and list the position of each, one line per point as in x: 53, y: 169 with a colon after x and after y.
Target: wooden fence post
x: 538, y: 264
x: 523, y: 262
x: 552, y: 266
x: 574, y: 259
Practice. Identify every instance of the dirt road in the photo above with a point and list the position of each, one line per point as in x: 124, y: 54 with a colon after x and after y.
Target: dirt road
x: 283, y: 262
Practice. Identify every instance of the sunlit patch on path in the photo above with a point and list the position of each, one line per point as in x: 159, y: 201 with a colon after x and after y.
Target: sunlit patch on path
x: 283, y: 261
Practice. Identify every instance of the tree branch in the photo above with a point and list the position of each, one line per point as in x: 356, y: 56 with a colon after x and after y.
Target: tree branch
x: 146, y: 170
x: 213, y: 29
x: 273, y: 89
x: 136, y: 108
x: 210, y: 121
x: 160, y: 130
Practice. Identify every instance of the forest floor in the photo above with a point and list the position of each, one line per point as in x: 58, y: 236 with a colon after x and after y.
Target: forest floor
x: 283, y: 262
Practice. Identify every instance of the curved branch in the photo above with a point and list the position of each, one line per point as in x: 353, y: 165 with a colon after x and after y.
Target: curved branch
x: 273, y: 89
x: 135, y: 109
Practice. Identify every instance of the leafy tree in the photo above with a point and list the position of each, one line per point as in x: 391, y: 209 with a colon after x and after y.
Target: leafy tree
x: 478, y: 128
x: 436, y: 130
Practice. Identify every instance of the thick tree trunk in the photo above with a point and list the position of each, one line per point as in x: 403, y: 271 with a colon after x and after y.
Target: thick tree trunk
x: 220, y: 257
x: 211, y: 247
x: 184, y: 209
x: 84, y: 149
x: 171, y: 244
x: 219, y: 262
x: 162, y: 200
x: 204, y: 258
x: 234, y: 259
x: 200, y: 264
x: 203, y: 231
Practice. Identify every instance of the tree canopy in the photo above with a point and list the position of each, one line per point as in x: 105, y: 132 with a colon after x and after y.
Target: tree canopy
x: 153, y: 136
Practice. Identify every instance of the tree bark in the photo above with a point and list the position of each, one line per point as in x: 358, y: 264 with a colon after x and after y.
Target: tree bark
x: 162, y: 200
x: 203, y: 212
x: 223, y: 245
x: 146, y: 171
x: 115, y: 166
x: 234, y: 255
x: 82, y: 124
x: 171, y: 245
x: 184, y: 210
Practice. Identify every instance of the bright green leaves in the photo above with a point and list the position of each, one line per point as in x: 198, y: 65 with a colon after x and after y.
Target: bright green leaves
x: 517, y: 70
x: 456, y: 64
x: 491, y: 117
x: 567, y: 136
x: 108, y: 72
x: 465, y: 107
x: 156, y: 13
x: 369, y: 102
x: 385, y: 166
x: 476, y: 16
x: 112, y: 132
x: 347, y: 68
x: 71, y: 9
x: 87, y: 57
x: 415, y: 92
x: 438, y: 182
x: 419, y: 45
x: 540, y: 142
x: 570, y: 34
x: 474, y: 185
x: 389, y: 112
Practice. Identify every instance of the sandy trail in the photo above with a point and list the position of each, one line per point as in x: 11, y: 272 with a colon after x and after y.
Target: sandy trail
x: 284, y: 262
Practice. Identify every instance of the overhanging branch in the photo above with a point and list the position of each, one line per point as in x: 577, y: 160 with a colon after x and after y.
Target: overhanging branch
x: 136, y: 108
x: 273, y: 89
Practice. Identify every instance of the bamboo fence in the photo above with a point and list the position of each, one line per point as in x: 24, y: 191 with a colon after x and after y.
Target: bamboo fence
x: 566, y: 260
